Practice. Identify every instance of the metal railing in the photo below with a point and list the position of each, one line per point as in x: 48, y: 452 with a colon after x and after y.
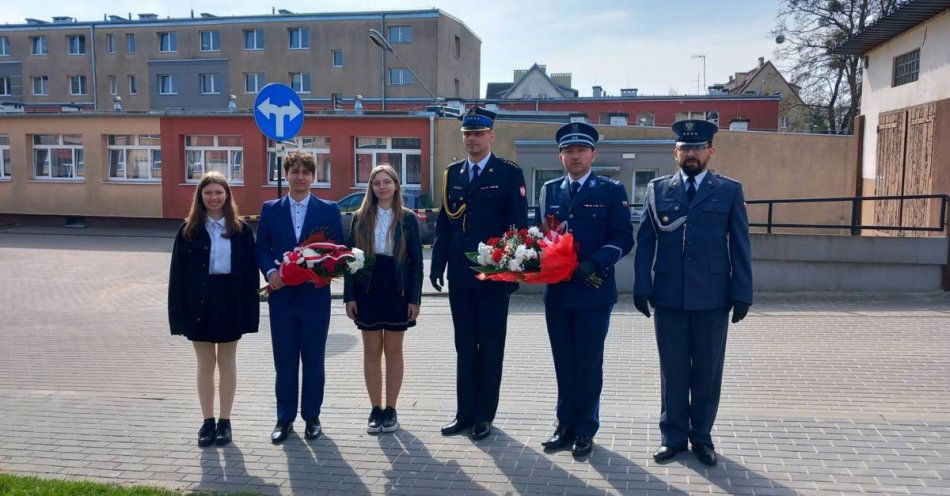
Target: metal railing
x: 855, y: 226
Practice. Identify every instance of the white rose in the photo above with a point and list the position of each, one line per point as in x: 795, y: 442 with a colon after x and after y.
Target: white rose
x: 534, y: 232
x: 520, y: 251
x: 514, y: 265
x: 530, y: 253
x: 359, y: 259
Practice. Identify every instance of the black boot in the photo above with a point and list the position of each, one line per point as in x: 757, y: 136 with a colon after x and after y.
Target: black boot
x: 206, y: 433
x: 223, y: 435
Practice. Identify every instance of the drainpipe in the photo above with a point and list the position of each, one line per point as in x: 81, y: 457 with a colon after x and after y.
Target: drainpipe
x: 95, y: 79
x: 432, y: 157
x: 382, y: 29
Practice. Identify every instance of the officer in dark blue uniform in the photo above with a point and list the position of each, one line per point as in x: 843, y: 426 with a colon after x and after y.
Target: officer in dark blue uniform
x: 595, y: 210
x: 482, y: 197
x: 693, y: 264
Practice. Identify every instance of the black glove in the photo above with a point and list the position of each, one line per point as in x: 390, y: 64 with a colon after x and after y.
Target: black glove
x: 642, y: 302
x: 739, y: 311
x: 587, y: 272
x: 436, y: 281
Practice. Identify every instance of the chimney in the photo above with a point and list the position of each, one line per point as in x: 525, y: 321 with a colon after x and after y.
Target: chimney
x: 761, y: 61
x: 598, y: 91
x: 730, y: 79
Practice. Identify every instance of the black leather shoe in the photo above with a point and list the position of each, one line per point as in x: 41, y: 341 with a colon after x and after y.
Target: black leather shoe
x: 705, y: 454
x: 223, y: 436
x: 281, y: 431
x: 562, y: 439
x: 313, y: 429
x: 206, y: 433
x: 481, y: 430
x: 456, y: 426
x: 582, y: 445
x: 666, y: 453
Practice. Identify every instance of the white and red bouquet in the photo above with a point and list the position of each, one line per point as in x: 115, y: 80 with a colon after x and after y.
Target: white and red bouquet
x: 526, y: 255
x: 318, y: 260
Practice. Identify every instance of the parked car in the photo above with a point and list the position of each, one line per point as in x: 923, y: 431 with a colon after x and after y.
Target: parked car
x: 420, y: 202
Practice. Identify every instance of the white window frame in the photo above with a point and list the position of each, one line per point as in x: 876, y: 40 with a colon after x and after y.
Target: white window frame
x: 304, y: 77
x: 233, y: 152
x: 398, y: 34
x: 633, y: 180
x: 6, y: 86
x: 405, y: 73
x: 4, y: 46
x: 133, y: 85
x: 44, y: 85
x: 333, y: 55
x: 131, y: 45
x: 173, y: 84
x: 77, y: 157
x: 110, y: 42
x: 784, y: 122
x: 113, y: 84
x: 389, y: 150
x: 123, y: 153
x: 76, y: 44
x: 258, y: 36
x: 214, y: 78
x: 619, y: 120
x: 692, y: 114
x: 39, y: 45
x: 83, y: 88
x: 303, y: 42
x: 5, y: 160
x: 172, y: 37
x: 297, y: 144
x: 214, y: 41
x: 258, y: 78
x: 647, y: 122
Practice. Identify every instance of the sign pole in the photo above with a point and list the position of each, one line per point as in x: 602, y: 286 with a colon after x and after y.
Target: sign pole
x: 280, y: 168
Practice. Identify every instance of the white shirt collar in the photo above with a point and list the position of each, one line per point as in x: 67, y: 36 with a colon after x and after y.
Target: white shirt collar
x: 582, y: 180
x: 384, y: 211
x: 209, y: 222
x: 302, y: 203
x: 481, y: 163
x: 699, y: 177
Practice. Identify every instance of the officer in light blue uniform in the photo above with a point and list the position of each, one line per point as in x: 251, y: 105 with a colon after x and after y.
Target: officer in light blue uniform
x: 595, y: 210
x: 693, y: 265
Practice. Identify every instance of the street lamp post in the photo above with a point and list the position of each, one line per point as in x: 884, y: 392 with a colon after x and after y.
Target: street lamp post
x: 377, y: 38
x: 701, y: 56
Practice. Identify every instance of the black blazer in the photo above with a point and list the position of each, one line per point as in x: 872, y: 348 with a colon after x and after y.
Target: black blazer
x: 408, y: 271
x: 188, y: 280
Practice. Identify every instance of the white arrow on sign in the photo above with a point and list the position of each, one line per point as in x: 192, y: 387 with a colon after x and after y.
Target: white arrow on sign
x: 290, y: 111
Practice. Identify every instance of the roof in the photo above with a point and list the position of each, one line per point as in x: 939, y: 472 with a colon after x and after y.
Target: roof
x: 502, y: 90
x: 495, y: 90
x: 906, y: 16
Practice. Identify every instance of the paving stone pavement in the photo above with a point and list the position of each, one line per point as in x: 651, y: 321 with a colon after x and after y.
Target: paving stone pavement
x: 823, y: 394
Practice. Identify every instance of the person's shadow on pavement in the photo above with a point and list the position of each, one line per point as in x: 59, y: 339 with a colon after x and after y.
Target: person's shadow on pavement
x: 233, y: 475
x: 318, y: 467
x: 625, y: 476
x: 524, y: 467
x: 407, y: 454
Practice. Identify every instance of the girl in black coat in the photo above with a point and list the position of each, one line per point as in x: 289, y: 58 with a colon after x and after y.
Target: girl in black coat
x: 386, y: 303
x: 212, y: 295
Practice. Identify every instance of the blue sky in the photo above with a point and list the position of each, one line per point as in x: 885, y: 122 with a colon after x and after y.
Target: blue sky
x: 612, y: 43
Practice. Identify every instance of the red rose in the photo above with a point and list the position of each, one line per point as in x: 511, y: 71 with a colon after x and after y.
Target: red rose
x: 510, y: 233
x: 496, y: 255
x: 529, y: 242
x: 493, y: 241
x: 523, y: 233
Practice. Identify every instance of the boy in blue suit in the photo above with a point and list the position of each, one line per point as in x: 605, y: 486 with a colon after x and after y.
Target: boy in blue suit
x: 299, y: 315
x: 695, y: 239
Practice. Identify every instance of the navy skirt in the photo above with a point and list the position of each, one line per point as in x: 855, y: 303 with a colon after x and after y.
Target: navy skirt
x: 382, y: 307
x: 218, y: 322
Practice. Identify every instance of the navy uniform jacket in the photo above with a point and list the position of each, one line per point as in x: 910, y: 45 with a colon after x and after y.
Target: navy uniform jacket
x: 707, y: 266
x: 495, y: 202
x: 599, y: 218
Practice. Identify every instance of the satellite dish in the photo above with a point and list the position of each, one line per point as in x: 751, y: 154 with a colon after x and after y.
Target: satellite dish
x: 780, y: 39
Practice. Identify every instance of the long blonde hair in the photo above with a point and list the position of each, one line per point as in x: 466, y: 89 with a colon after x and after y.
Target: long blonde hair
x: 199, y: 213
x: 366, y: 215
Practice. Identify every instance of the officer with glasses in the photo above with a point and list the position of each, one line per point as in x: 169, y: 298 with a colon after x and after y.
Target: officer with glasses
x: 693, y: 265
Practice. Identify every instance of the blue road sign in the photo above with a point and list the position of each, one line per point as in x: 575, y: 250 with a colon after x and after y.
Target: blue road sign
x: 278, y: 112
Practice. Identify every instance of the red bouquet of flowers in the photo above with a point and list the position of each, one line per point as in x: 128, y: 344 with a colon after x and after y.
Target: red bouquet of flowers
x: 527, y: 255
x: 318, y: 260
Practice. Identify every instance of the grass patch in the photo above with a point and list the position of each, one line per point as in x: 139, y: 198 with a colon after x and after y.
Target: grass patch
x: 16, y: 485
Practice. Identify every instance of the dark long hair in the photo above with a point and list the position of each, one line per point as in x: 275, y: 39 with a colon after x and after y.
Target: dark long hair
x: 199, y: 213
x: 366, y: 215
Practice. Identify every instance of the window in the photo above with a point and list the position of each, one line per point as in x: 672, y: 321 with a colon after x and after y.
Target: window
x: 5, y: 88
x: 77, y: 85
x: 253, y: 82
x: 404, y: 154
x: 641, y: 179
x: 300, y: 82
x: 38, y: 45
x: 4, y: 46
x: 224, y: 154
x: 110, y: 43
x: 317, y: 146
x: 113, y: 85
x: 906, y: 67
x: 135, y: 158
x: 210, y: 84
x: 646, y: 119
x: 542, y: 176
x: 614, y: 119
x: 458, y: 88
x: 253, y: 39
x: 696, y: 115
x: 783, y: 122
x: 299, y: 38
x: 458, y: 47
x: 167, y: 84
x: 40, y: 85
x: 130, y: 42
x: 76, y: 44
x: 133, y: 88
x: 400, y: 76
x: 210, y: 41
x: 58, y: 156
x: 168, y: 42
x: 337, y: 57
x: 400, y: 34
x: 4, y: 156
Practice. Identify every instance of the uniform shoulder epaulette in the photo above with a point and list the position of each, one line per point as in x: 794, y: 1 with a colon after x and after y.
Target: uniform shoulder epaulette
x: 508, y: 162
x: 609, y: 180
x: 655, y: 179
x: 555, y: 180
x: 453, y: 164
x: 727, y: 178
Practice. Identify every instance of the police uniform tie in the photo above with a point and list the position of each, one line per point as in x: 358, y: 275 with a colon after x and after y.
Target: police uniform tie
x: 690, y: 188
x: 575, y: 186
x: 474, y: 172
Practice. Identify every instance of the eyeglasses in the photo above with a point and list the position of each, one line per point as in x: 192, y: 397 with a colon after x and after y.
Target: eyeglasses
x: 692, y: 148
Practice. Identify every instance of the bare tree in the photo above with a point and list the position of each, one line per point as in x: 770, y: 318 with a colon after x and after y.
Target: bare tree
x: 830, y: 83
